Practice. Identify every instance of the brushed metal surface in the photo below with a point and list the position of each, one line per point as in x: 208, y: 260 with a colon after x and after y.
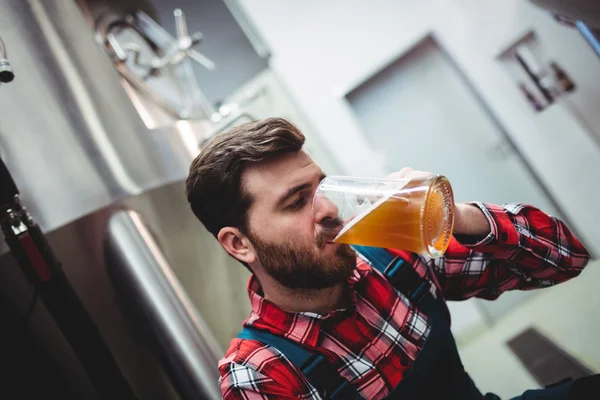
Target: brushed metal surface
x: 181, y: 336
x: 69, y: 133
x: 214, y: 283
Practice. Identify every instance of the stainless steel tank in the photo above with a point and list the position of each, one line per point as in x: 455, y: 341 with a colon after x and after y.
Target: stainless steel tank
x: 70, y: 134
x: 106, y: 186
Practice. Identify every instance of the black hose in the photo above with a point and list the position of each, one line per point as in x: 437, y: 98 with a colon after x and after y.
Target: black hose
x: 34, y: 255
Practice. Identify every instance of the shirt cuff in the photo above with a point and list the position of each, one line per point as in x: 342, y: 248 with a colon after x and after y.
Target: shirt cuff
x: 502, y: 229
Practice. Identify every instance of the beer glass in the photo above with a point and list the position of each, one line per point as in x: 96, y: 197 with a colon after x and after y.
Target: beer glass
x: 415, y: 215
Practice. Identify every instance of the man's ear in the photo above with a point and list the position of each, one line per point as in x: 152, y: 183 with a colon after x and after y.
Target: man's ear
x: 237, y: 244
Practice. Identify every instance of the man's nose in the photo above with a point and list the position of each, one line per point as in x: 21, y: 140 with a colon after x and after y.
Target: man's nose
x: 324, y: 210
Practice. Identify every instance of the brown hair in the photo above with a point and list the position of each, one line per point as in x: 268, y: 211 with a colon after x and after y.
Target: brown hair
x: 214, y: 188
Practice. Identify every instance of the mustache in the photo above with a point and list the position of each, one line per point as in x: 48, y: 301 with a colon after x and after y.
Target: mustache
x: 328, y: 232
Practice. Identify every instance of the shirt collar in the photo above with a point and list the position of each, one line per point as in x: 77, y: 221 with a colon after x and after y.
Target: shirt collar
x: 300, y: 327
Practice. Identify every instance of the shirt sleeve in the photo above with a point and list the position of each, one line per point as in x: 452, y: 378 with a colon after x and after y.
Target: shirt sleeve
x: 525, y: 249
x: 242, y: 382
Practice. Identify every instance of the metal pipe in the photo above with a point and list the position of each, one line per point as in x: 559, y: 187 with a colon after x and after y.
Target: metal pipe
x: 6, y: 72
x: 182, y: 340
x: 591, y: 36
x: 2, y: 49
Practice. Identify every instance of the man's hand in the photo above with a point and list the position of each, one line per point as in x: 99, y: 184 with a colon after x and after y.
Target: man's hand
x: 469, y: 220
x: 409, y: 173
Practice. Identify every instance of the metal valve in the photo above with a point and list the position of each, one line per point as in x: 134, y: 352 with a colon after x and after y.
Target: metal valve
x: 183, y: 47
x: 6, y: 73
x: 176, y: 49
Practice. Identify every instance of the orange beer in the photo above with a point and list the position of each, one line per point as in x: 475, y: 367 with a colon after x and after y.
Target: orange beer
x: 418, y: 217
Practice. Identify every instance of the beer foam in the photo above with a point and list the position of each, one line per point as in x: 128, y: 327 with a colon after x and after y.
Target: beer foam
x: 363, y: 214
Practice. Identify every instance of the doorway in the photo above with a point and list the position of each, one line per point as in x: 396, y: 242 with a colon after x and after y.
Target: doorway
x: 422, y: 112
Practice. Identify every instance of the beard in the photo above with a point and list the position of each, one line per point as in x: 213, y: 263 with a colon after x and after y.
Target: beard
x: 297, y: 266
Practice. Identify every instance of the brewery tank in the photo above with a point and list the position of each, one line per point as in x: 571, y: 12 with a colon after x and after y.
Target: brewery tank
x: 100, y: 165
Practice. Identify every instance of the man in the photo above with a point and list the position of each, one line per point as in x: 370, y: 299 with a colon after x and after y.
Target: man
x: 252, y: 188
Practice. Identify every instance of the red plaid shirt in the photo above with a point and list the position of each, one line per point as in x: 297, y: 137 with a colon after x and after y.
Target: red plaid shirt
x: 375, y: 340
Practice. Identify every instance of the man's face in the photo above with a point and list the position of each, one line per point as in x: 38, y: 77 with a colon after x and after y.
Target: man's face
x: 288, y: 238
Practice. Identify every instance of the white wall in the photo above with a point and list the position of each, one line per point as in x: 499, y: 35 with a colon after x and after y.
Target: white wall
x: 573, y: 325
x: 323, y: 49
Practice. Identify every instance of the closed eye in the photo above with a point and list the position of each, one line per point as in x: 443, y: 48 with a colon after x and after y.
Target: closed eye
x: 298, y: 204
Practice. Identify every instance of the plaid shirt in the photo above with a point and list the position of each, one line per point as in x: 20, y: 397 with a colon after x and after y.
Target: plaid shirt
x: 374, y: 341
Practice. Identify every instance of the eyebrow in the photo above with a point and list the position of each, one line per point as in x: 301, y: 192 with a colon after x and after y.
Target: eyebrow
x: 298, y: 188
x: 293, y: 191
